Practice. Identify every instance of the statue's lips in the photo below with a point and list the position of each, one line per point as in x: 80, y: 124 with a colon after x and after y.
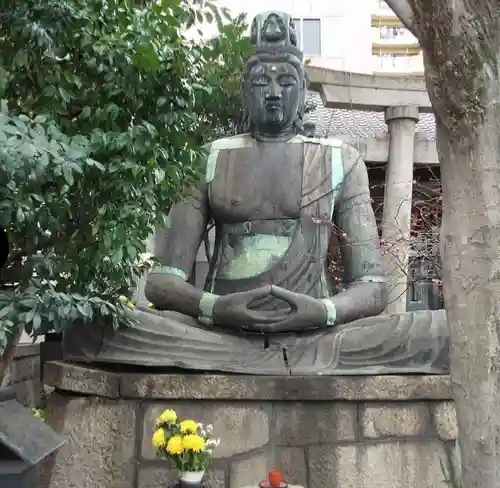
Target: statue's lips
x: 273, y: 106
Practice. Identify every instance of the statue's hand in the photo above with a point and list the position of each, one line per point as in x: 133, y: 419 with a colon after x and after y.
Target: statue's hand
x: 306, y: 313
x: 233, y: 310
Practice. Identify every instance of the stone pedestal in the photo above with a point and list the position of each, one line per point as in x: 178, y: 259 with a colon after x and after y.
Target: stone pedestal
x: 377, y: 432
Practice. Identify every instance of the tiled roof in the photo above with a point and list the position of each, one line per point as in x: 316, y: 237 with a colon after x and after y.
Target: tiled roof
x: 358, y: 124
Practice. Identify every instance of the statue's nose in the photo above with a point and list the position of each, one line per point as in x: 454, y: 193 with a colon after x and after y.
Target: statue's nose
x: 274, y: 92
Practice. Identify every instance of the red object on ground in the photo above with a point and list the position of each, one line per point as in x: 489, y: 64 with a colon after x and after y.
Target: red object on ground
x: 275, y: 478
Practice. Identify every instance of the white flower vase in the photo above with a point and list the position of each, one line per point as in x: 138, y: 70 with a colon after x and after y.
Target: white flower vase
x: 191, y: 477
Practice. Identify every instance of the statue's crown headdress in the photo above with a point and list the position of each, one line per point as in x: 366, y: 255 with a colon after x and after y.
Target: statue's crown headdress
x: 274, y: 33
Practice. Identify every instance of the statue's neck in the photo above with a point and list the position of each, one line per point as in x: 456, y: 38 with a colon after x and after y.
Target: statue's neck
x: 285, y: 135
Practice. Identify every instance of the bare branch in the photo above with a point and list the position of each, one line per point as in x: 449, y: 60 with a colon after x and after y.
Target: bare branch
x: 405, y: 13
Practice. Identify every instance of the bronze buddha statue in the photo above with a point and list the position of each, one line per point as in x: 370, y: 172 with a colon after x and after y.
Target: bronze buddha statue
x: 269, y: 305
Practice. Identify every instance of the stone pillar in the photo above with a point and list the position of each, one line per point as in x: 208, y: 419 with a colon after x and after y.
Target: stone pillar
x: 396, y: 221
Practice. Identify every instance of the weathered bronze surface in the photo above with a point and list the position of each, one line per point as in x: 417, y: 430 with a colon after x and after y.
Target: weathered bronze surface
x: 269, y: 305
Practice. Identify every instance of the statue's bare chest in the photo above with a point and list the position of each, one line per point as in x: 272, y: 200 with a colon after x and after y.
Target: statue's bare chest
x: 259, y: 182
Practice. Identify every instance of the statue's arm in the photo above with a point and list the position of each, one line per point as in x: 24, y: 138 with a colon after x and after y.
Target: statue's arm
x: 364, y: 274
x: 176, y: 248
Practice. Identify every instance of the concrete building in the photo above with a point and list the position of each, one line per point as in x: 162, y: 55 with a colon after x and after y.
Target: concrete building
x: 359, y: 36
x: 334, y: 35
x: 394, y: 49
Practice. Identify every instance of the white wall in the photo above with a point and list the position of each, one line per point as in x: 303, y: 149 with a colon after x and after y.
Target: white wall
x: 345, y: 34
x: 346, y: 38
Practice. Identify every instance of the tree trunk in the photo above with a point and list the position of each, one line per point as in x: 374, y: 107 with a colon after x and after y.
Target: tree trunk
x: 461, y: 71
x: 470, y: 240
x: 461, y: 44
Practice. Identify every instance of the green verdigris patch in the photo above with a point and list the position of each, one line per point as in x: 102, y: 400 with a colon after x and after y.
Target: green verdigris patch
x: 253, y: 255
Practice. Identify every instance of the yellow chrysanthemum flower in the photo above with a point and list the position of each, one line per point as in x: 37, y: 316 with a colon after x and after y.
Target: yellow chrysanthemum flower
x: 159, y: 438
x: 150, y: 305
x: 175, y: 445
x: 189, y: 427
x: 168, y: 416
x: 193, y: 443
x: 123, y: 299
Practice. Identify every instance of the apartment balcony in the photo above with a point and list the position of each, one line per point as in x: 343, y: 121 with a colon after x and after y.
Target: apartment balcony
x: 387, y: 37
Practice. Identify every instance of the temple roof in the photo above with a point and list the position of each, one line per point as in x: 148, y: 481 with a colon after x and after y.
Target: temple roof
x: 359, y: 124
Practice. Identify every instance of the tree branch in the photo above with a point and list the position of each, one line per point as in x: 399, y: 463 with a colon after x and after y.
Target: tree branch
x: 405, y: 13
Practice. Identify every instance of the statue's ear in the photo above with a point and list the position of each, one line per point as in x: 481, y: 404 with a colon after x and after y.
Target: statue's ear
x: 307, y: 80
x: 298, y: 122
x: 302, y: 102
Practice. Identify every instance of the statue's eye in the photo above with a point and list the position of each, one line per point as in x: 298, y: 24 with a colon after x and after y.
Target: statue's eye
x: 287, y: 80
x: 260, y: 81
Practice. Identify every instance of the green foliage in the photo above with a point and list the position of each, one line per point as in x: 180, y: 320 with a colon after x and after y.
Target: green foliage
x: 228, y: 52
x: 104, y: 111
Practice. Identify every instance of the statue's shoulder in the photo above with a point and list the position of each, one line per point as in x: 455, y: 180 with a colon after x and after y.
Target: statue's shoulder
x: 335, y: 142
x: 344, y: 156
x: 321, y: 141
x: 350, y: 157
x: 232, y: 142
x: 224, y: 144
x: 343, y: 150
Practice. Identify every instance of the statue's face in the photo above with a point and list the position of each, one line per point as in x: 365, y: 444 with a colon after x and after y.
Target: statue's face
x: 273, y: 96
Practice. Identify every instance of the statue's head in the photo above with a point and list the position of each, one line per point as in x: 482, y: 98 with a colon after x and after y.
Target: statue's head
x: 274, y: 79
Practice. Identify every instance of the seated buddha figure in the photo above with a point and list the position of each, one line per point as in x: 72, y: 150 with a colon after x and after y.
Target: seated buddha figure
x: 269, y: 304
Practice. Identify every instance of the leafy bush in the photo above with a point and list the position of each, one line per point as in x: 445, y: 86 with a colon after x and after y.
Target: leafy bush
x: 103, y: 116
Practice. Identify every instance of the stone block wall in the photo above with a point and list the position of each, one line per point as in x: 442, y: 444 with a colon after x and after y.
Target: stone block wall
x: 346, y: 432
x: 24, y: 375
